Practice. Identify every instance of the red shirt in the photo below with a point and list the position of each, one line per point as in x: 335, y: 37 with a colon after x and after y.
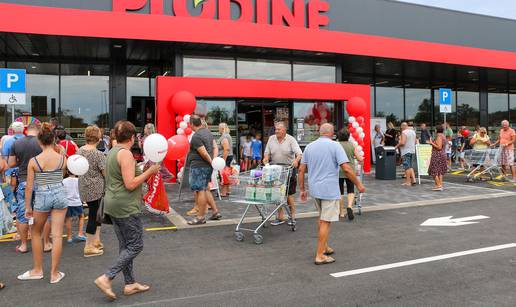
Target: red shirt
x: 69, y: 146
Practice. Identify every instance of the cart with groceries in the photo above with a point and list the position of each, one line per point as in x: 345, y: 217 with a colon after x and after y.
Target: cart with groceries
x: 264, y: 189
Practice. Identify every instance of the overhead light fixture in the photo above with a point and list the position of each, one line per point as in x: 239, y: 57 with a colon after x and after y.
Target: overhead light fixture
x: 166, y: 73
x: 35, y: 54
x: 89, y: 73
x: 141, y: 72
x: 319, y: 53
x: 397, y: 74
x: 117, y: 46
x: 228, y: 47
x: 33, y: 67
x: 379, y: 63
x: 471, y: 72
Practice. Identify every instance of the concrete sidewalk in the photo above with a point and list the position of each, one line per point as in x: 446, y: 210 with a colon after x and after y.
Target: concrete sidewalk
x: 380, y: 194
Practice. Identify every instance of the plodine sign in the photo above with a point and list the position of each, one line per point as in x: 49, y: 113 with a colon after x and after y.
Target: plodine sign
x: 306, y: 14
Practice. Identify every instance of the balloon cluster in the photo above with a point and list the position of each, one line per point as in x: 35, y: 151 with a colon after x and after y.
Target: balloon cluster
x: 182, y: 104
x: 356, y: 108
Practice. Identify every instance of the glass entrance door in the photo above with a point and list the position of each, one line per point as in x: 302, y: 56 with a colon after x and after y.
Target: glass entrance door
x: 258, y: 117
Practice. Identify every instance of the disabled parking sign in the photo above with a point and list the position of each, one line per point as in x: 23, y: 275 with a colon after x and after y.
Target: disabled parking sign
x: 12, y: 86
x: 445, y: 100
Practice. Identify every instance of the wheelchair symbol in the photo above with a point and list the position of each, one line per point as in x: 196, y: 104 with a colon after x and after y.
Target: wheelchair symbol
x: 13, y: 99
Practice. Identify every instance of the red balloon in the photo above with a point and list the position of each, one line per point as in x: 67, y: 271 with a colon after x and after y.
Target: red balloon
x: 352, y: 130
x: 179, y: 119
x: 188, y: 131
x: 360, y: 120
x: 178, y: 147
x: 361, y: 142
x: 183, y: 102
x: 465, y: 133
x: 356, y: 106
x: 355, y: 135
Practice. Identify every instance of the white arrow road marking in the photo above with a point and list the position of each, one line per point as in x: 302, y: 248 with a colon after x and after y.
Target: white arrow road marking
x: 423, y: 260
x: 449, y: 222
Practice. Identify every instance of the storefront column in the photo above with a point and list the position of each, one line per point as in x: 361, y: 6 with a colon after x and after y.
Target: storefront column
x: 483, y: 98
x: 118, y: 84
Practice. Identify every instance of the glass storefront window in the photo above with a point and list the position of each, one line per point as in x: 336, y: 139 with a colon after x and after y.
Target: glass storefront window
x: 263, y: 70
x: 389, y: 100
x: 85, y: 97
x: 215, y: 112
x: 468, y: 107
x: 513, y: 109
x: 308, y: 118
x: 498, y: 108
x: 137, y: 82
x: 418, y: 103
x: 314, y: 73
x: 208, y: 67
x: 42, y: 99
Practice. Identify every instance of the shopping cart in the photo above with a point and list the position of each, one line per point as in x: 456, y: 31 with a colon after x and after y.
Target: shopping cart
x: 484, y: 162
x: 265, y: 189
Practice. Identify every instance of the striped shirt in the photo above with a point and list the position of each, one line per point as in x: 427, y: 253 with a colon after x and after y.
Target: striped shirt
x: 42, y: 177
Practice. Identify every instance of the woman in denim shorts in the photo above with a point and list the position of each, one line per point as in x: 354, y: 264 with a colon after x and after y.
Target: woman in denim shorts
x: 45, y: 176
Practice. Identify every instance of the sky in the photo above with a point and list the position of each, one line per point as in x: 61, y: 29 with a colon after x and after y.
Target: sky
x: 499, y: 8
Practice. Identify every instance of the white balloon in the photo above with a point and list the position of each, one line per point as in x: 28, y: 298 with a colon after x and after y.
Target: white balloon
x: 362, y: 135
x: 355, y: 125
x: 183, y: 125
x: 361, y: 154
x: 352, y: 119
x: 360, y: 130
x: 155, y: 147
x: 218, y: 164
x: 182, y: 170
x: 78, y: 165
x: 359, y: 148
x: 180, y: 131
x: 186, y: 118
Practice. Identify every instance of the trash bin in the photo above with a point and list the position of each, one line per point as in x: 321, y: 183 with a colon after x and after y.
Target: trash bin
x: 386, y: 164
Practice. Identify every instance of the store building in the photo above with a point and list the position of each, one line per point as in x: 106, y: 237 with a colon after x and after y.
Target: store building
x: 97, y: 61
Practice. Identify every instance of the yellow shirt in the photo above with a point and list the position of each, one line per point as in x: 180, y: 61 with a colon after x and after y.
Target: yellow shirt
x: 480, y: 142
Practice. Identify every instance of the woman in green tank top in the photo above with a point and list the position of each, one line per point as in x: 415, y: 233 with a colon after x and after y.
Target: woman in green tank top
x: 122, y: 203
x: 349, y: 148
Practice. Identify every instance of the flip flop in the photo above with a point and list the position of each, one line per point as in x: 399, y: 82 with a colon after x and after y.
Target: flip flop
x: 19, y: 251
x: 27, y: 276
x: 329, y: 251
x: 107, y: 291
x: 61, y: 276
x: 139, y: 289
x: 2, y: 286
x: 328, y: 260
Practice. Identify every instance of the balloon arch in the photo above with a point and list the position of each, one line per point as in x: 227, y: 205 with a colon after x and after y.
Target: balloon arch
x: 176, y: 101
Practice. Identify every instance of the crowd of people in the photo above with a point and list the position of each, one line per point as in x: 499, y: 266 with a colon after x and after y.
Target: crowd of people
x: 448, y: 148
x: 45, y: 198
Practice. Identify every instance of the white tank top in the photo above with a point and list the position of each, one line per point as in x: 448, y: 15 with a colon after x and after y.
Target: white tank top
x: 410, y: 143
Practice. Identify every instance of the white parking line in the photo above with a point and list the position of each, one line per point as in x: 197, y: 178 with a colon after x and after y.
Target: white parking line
x: 423, y: 260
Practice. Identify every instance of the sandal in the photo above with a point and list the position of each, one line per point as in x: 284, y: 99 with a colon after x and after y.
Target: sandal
x: 192, y: 212
x: 215, y: 216
x: 138, y: 289
x: 61, y: 276
x: 27, y: 276
x: 329, y: 251
x: 196, y: 221
x: 327, y: 260
x: 20, y: 251
x: 2, y: 286
x: 105, y: 289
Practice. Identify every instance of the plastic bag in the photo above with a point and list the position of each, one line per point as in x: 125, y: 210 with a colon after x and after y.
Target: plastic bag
x: 156, y: 200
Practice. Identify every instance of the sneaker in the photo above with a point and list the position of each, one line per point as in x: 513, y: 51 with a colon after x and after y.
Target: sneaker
x: 92, y: 252
x: 277, y: 222
x: 351, y: 216
x: 292, y: 223
x: 79, y: 239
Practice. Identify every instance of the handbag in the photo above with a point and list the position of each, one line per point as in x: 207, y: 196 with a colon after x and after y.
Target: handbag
x: 103, y: 218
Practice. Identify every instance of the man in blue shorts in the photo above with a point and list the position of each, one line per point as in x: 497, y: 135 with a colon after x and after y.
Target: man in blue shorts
x: 22, y: 151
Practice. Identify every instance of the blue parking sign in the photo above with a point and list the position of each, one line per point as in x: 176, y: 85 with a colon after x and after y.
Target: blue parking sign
x: 445, y: 100
x: 12, y: 80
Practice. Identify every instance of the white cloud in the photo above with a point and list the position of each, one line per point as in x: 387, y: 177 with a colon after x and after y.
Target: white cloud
x: 499, y: 8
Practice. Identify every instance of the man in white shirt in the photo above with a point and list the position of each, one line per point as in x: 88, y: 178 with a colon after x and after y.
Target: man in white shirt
x: 407, y: 146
